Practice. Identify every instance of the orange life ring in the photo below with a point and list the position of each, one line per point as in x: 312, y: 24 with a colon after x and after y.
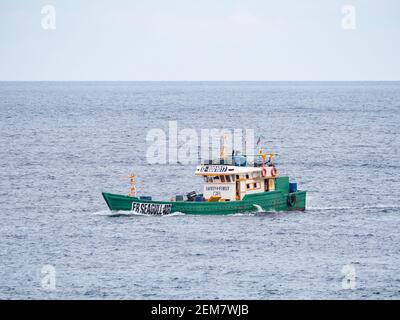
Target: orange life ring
x: 264, y: 172
x: 273, y: 172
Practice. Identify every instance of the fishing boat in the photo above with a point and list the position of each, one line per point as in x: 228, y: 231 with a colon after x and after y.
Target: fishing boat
x: 233, y: 185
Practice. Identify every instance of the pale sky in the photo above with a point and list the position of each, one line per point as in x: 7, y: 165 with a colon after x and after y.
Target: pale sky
x: 200, y: 40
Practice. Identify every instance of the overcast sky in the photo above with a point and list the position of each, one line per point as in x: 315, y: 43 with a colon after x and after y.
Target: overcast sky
x: 200, y: 40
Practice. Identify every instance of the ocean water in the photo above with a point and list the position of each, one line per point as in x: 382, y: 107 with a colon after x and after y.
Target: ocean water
x: 64, y: 143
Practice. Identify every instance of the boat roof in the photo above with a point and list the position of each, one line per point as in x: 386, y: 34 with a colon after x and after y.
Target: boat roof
x: 217, y: 170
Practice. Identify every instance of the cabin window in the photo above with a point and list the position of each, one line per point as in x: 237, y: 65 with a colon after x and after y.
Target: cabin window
x: 233, y: 178
x: 247, y: 176
x: 237, y: 176
x: 228, y: 178
x: 209, y: 179
x: 248, y: 186
x: 222, y: 178
x: 216, y: 178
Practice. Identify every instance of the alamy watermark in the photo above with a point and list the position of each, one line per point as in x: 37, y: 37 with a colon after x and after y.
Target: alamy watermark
x: 48, y: 21
x: 349, y: 17
x: 349, y: 277
x: 188, y: 146
x: 348, y: 21
x: 48, y: 280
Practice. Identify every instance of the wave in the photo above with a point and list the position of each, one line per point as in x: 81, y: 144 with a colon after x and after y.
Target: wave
x: 174, y: 214
x: 123, y: 213
x: 108, y: 213
x: 244, y: 214
x: 260, y: 211
x: 380, y: 207
x: 259, y: 208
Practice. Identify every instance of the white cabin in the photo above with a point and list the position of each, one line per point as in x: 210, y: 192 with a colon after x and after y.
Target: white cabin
x: 231, y: 183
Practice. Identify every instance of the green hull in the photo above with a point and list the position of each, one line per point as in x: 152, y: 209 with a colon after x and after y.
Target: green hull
x: 278, y: 200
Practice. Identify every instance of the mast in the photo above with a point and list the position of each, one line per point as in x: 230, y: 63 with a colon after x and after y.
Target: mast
x: 132, y: 191
x: 223, y: 147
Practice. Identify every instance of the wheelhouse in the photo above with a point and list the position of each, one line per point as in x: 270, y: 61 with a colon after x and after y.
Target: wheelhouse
x: 230, y: 183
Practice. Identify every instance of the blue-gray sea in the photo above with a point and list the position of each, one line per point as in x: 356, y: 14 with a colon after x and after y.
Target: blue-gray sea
x: 62, y: 143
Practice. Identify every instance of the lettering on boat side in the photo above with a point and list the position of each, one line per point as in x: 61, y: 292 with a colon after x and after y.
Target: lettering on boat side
x: 151, y: 208
x: 214, y: 169
x: 217, y: 188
